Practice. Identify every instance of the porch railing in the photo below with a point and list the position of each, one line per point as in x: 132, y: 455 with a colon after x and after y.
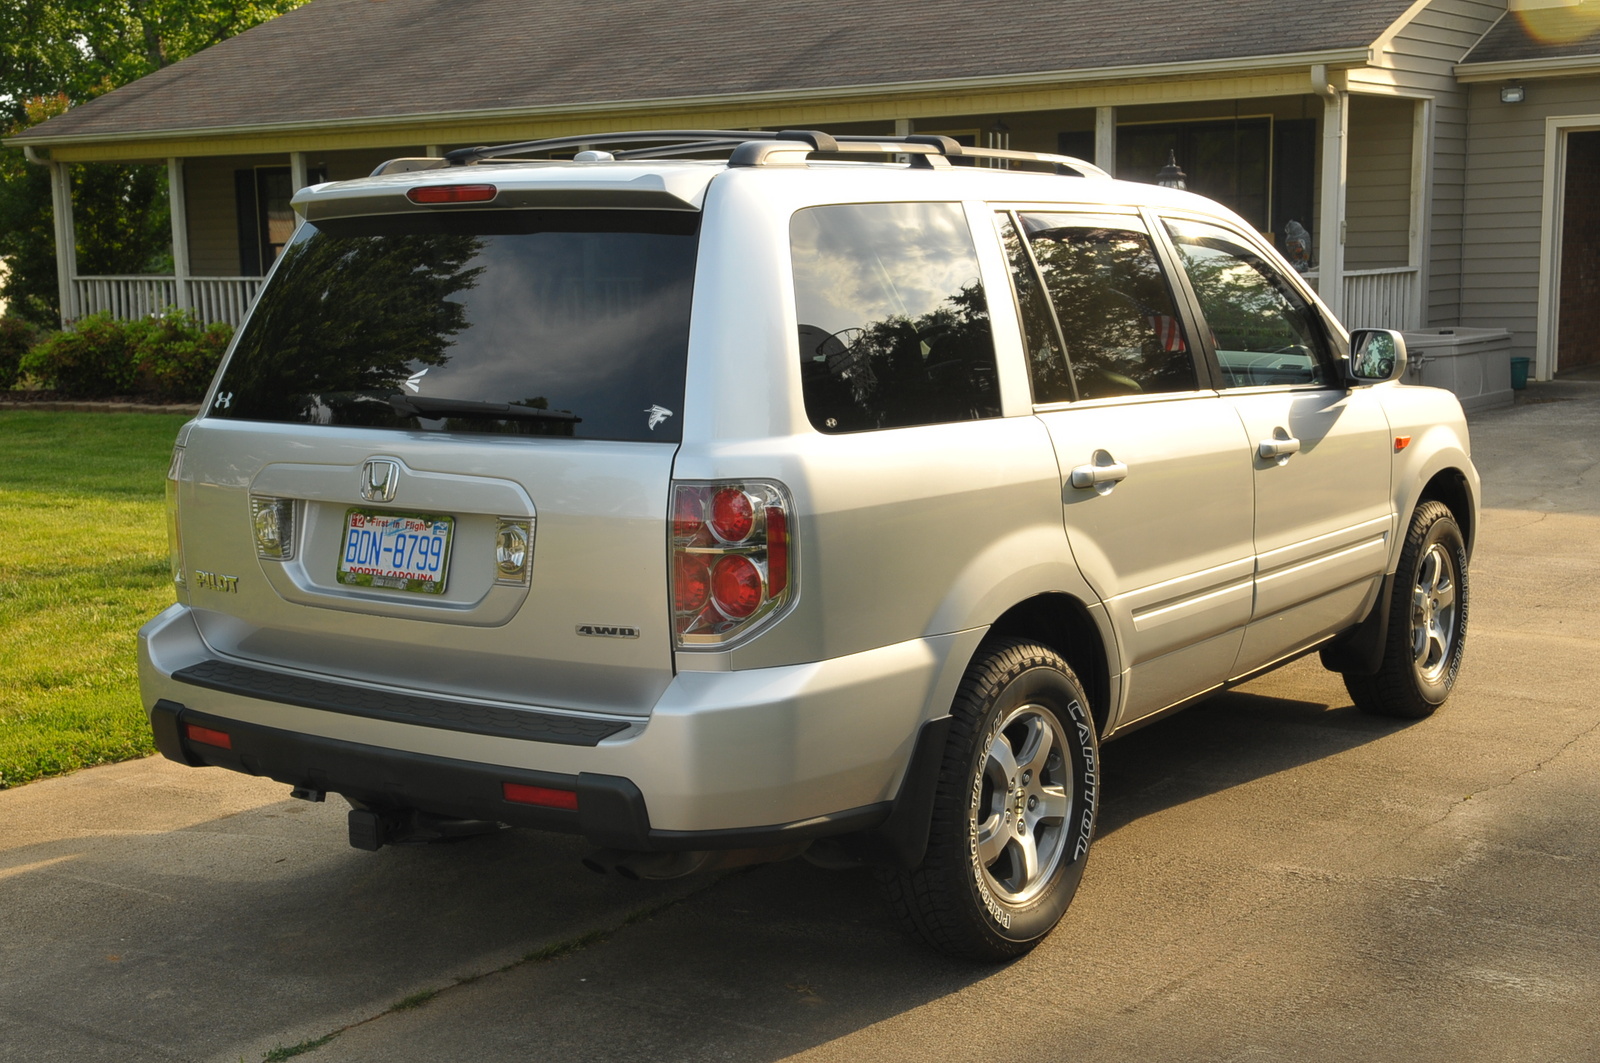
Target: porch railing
x: 211, y: 298
x: 125, y: 297
x: 1382, y: 298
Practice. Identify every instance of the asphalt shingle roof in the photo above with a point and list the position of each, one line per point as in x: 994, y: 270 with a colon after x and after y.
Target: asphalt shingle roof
x: 349, y: 60
x: 1546, y: 33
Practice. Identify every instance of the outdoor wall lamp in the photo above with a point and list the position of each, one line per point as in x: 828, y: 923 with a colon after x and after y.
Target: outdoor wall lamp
x: 1171, y: 175
x: 1512, y: 93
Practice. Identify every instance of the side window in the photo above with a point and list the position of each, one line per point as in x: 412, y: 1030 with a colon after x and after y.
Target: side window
x: 894, y: 327
x: 1116, y: 313
x: 1047, y: 362
x: 1264, y: 331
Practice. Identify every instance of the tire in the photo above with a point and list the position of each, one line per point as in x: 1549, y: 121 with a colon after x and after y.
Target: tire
x: 1022, y: 744
x: 1427, y: 622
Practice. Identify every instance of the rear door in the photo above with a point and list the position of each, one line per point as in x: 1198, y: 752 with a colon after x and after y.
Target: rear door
x: 1321, y: 452
x: 1156, y: 479
x: 439, y: 456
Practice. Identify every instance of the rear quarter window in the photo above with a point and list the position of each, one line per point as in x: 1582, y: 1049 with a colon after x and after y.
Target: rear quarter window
x: 894, y: 326
x: 553, y: 323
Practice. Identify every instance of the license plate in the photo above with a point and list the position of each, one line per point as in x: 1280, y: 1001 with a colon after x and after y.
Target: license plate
x: 398, y: 551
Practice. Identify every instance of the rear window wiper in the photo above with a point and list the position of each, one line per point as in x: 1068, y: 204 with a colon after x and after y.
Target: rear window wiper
x: 421, y: 406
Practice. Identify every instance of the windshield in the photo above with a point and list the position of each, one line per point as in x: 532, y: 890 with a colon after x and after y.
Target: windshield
x: 552, y: 323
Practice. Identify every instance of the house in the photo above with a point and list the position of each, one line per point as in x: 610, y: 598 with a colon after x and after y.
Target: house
x: 1428, y: 163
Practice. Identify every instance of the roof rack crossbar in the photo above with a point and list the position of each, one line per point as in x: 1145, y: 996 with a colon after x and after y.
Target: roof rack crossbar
x: 759, y: 148
x: 467, y: 156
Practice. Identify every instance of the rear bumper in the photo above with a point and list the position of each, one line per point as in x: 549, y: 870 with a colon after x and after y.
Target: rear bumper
x: 733, y: 759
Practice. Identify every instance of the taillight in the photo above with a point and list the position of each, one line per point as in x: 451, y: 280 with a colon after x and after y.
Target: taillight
x: 732, y: 566
x: 174, y: 537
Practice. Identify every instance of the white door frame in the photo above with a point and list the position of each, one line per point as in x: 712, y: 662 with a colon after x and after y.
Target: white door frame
x: 1547, y: 330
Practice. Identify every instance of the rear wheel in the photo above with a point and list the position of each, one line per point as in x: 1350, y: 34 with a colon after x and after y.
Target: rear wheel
x: 1427, y: 622
x: 1014, y: 811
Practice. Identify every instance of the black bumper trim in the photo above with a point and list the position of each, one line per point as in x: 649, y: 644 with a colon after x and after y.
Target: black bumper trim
x: 474, y: 718
x: 611, y: 813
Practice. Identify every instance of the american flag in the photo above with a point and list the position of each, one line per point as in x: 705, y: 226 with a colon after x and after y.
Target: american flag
x: 1168, y: 332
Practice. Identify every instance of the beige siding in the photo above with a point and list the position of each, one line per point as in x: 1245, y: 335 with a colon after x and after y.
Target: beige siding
x: 213, y: 214
x: 213, y: 223
x: 1378, y: 203
x: 1419, y: 60
x: 1504, y: 199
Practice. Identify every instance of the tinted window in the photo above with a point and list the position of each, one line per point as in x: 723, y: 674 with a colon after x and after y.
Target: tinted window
x: 1118, y: 320
x: 576, y: 321
x: 894, y: 329
x: 1047, y: 362
x: 1264, y: 331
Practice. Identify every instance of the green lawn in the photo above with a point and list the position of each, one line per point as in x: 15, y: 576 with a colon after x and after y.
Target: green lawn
x: 84, y: 542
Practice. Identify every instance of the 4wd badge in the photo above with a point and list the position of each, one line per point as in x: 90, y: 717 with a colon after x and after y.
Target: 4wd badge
x: 608, y: 631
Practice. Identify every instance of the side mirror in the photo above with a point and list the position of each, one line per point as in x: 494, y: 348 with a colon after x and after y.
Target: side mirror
x: 1376, y: 355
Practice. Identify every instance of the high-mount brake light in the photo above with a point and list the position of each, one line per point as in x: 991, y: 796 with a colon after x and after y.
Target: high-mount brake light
x: 430, y: 194
x: 732, y: 559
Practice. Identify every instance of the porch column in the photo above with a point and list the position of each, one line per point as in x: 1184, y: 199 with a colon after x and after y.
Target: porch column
x: 1335, y: 170
x: 178, y: 203
x: 1421, y: 210
x: 299, y: 177
x: 66, y: 241
x: 1105, y: 139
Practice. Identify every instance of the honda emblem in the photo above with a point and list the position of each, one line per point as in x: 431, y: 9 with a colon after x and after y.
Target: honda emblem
x: 379, y: 477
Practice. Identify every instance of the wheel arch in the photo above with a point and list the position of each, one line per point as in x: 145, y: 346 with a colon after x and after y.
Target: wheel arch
x: 1073, y: 629
x: 1450, y: 487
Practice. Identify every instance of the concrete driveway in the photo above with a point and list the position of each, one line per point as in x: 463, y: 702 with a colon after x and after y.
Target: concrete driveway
x: 1276, y: 878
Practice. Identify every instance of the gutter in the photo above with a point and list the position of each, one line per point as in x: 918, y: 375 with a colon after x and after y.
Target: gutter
x: 1203, y: 68
x: 1566, y: 66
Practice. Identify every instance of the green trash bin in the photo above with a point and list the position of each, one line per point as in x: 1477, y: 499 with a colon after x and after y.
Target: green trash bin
x: 1519, y: 373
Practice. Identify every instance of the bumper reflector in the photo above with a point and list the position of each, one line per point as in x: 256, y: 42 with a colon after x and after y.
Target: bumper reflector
x: 206, y: 736
x: 538, y: 795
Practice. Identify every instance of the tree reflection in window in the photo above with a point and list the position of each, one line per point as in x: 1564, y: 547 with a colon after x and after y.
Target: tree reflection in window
x: 894, y: 326
x: 439, y: 320
x: 1118, y: 320
x: 1264, y: 332
x: 348, y: 321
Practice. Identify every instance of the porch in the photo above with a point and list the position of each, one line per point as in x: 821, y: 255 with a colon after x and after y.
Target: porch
x: 1335, y: 175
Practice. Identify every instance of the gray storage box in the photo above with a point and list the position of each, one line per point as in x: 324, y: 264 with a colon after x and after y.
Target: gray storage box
x: 1475, y: 363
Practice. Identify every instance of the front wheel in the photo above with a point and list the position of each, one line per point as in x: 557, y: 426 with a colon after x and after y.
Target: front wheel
x: 1014, y: 809
x: 1427, y: 622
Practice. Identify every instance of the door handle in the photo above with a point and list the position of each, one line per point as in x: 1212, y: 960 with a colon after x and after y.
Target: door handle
x: 1279, y: 447
x: 1102, y: 474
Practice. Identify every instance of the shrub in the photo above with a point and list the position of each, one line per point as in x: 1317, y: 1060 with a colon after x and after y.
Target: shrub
x: 16, y: 337
x: 169, y: 357
x: 92, y: 360
x: 177, y: 356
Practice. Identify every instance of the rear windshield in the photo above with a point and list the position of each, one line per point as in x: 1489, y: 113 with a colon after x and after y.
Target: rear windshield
x: 556, y: 323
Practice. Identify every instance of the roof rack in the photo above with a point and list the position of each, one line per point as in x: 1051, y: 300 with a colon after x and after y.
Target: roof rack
x: 789, y: 147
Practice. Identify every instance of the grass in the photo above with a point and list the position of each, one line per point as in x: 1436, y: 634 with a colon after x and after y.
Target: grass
x: 83, y: 563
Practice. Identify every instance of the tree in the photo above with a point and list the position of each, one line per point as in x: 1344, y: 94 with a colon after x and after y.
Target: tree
x: 56, y: 53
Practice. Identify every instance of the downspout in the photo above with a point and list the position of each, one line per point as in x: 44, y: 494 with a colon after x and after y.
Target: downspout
x: 1335, y: 148
x: 66, y: 237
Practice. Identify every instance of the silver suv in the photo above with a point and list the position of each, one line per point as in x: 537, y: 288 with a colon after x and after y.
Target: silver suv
x: 832, y: 496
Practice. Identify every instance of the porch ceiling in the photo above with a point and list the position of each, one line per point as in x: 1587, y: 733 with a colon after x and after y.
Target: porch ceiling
x: 430, y: 65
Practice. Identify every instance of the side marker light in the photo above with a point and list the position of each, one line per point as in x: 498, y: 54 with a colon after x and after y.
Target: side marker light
x: 1401, y: 443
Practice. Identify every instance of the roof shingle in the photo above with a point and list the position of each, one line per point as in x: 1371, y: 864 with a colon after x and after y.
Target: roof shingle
x: 1545, y: 33
x: 349, y: 60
